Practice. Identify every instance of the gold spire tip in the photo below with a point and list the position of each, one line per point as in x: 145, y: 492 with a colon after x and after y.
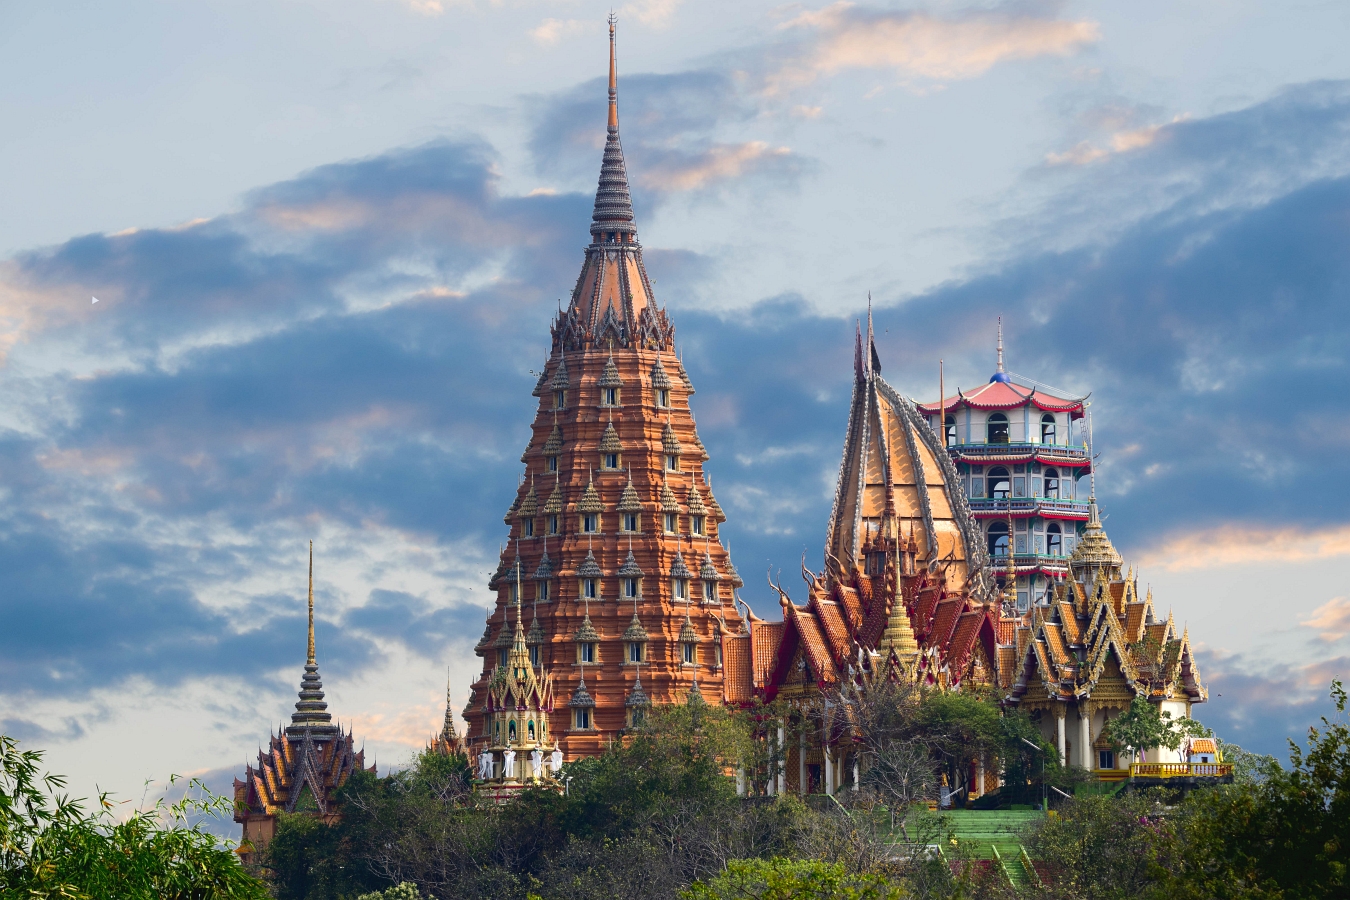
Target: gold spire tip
x: 309, y: 657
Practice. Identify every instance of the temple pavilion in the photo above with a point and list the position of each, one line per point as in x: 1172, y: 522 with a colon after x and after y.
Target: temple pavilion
x: 304, y: 763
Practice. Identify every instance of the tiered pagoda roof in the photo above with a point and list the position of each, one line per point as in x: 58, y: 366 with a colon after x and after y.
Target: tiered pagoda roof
x: 304, y: 763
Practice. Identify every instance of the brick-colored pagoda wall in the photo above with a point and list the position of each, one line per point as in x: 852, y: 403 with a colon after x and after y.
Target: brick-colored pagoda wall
x: 640, y: 425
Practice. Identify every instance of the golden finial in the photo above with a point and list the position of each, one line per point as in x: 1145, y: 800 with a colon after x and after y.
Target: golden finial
x: 613, y: 79
x: 309, y: 658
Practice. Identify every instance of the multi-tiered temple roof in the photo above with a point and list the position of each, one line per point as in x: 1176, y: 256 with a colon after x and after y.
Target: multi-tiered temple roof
x: 304, y: 763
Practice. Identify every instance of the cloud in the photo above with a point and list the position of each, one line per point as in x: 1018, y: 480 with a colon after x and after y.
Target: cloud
x: 717, y: 163
x: 413, y: 622
x: 1331, y: 619
x: 1236, y: 544
x: 652, y: 13
x: 915, y: 44
x: 1086, y: 152
x: 552, y: 31
x: 1263, y: 705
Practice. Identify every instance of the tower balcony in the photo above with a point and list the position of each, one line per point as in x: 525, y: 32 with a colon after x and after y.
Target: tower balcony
x: 1030, y: 563
x: 1024, y: 507
x: 1047, y: 454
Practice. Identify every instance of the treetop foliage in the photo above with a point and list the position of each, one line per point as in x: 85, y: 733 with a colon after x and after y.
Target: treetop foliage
x: 52, y: 847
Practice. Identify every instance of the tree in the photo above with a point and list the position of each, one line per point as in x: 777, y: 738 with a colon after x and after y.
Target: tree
x: 1145, y: 725
x: 1285, y: 835
x: 1104, y: 848
x: 51, y: 847
x: 785, y: 879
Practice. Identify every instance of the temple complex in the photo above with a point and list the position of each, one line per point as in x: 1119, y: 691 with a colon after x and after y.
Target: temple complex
x: 614, y: 590
x: 1018, y: 468
x: 303, y: 765
x: 920, y: 585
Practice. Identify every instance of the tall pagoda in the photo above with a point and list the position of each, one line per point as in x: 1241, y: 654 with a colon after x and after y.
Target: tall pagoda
x: 1018, y: 466
x: 614, y: 564
x: 303, y: 765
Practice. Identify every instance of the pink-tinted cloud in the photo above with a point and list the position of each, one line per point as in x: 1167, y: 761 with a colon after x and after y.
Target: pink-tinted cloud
x: 1331, y: 619
x: 1238, y: 544
x: 1123, y: 141
x: 921, y: 45
x: 719, y: 162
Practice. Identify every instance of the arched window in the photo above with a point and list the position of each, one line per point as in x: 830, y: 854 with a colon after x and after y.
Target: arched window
x: 1000, y: 485
x: 1052, y: 483
x: 949, y: 431
x: 511, y: 731
x: 530, y: 730
x: 1054, y: 540
x: 998, y: 429
x: 1047, y: 429
x: 998, y: 539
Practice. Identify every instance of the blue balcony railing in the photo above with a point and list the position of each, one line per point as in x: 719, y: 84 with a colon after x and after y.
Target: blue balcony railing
x: 1029, y: 506
x: 975, y: 452
x: 1055, y: 561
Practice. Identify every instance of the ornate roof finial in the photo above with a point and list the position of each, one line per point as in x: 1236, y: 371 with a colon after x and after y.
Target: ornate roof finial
x: 613, y: 205
x: 613, y: 78
x: 309, y: 655
x: 1001, y: 374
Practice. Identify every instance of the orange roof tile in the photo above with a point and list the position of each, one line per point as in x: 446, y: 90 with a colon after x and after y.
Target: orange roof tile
x: 958, y: 649
x: 738, y: 684
x: 813, y: 643
x: 1007, y: 666
x: 1007, y: 629
x: 1072, y: 633
x: 1054, y: 641
x: 764, y: 640
x: 1203, y: 745
x: 948, y: 611
x: 1134, y: 621
x: 852, y: 605
x: 831, y: 617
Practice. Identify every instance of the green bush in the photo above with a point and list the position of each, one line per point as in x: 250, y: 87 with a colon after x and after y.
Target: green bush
x: 51, y: 847
x: 790, y: 879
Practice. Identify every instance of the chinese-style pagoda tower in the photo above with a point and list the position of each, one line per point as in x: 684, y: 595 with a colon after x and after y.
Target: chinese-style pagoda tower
x: 303, y: 765
x: 614, y: 557
x: 1018, y: 467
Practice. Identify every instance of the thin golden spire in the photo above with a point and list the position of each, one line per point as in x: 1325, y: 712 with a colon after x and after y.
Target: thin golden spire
x: 613, y: 79
x: 309, y: 657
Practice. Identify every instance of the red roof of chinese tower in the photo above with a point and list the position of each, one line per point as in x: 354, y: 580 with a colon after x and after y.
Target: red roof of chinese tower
x: 1008, y: 395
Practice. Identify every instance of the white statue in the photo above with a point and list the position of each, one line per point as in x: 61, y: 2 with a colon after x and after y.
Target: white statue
x: 555, y: 760
x: 485, y: 765
x: 536, y: 763
x: 509, y: 764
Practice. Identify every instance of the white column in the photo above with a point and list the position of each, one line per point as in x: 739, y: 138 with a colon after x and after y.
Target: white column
x: 782, y: 752
x: 1059, y: 735
x: 979, y: 776
x: 740, y: 781
x: 1085, y: 735
x: 855, y: 774
x: 829, y: 770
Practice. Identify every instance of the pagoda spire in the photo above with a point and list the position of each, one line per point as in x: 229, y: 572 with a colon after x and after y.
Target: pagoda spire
x: 311, y: 714
x: 613, y: 213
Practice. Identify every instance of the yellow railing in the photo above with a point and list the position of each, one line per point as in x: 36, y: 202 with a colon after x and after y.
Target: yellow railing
x: 1180, y: 770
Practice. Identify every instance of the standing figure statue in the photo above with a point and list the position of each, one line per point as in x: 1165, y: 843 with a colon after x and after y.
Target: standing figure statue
x: 555, y: 760
x: 536, y: 763
x: 509, y: 764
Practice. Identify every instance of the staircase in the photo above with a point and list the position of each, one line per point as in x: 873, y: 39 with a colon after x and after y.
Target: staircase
x: 993, y: 835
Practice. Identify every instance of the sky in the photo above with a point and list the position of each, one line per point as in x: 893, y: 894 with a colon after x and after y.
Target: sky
x: 328, y: 238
